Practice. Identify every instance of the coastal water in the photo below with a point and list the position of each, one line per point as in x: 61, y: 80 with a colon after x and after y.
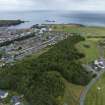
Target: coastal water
x: 61, y: 17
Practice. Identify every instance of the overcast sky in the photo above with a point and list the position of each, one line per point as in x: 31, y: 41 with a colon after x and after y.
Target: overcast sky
x: 90, y: 5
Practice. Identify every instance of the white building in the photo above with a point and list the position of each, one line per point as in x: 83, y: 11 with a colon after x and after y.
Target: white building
x: 16, y: 100
x: 100, y: 63
x: 3, y: 94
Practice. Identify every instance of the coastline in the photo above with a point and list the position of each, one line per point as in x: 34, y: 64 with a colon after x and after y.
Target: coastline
x: 8, y: 23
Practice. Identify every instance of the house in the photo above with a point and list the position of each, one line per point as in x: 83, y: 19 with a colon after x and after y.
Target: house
x: 42, y: 30
x: 2, y: 64
x: 3, y: 94
x: 100, y: 63
x: 16, y: 100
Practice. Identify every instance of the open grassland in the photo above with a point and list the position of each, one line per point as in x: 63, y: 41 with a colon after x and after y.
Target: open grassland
x: 91, y: 53
x: 96, y: 95
x: 86, y: 31
x: 72, y: 94
x: 92, y: 37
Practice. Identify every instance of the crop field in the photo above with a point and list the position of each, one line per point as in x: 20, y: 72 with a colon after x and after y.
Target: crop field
x: 72, y: 91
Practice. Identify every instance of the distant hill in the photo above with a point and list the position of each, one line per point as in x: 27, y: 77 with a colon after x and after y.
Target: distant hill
x: 6, y: 23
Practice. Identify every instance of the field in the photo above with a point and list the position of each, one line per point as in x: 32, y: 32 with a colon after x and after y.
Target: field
x: 72, y: 94
x: 96, y: 95
x: 91, y: 52
x: 28, y: 66
x: 91, y: 40
x: 93, y: 35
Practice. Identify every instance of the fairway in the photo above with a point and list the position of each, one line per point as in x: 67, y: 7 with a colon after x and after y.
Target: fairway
x: 96, y: 95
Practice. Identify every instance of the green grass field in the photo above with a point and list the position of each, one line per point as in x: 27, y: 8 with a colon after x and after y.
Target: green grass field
x: 92, y: 52
x: 72, y: 94
x: 96, y: 95
x: 86, y: 31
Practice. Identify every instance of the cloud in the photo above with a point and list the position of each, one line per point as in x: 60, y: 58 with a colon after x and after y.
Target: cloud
x: 90, y: 5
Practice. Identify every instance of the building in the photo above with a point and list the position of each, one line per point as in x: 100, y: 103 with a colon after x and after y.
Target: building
x: 3, y: 94
x: 2, y: 64
x: 16, y: 100
x: 100, y: 63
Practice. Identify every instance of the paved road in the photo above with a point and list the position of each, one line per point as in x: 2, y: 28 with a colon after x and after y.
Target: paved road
x: 88, y: 87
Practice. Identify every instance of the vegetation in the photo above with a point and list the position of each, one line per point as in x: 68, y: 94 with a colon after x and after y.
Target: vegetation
x: 72, y: 94
x: 42, y: 79
x: 93, y: 35
x: 96, y: 95
x: 91, y: 52
x: 6, y: 23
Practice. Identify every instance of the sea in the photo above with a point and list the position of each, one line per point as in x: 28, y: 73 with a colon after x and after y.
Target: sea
x: 54, y: 17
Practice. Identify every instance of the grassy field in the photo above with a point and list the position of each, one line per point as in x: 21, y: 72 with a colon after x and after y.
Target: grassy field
x: 92, y: 52
x: 96, y: 95
x: 86, y: 31
x: 72, y: 94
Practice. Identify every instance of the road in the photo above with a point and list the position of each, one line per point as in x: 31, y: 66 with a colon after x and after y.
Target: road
x: 88, y: 87
x: 93, y: 81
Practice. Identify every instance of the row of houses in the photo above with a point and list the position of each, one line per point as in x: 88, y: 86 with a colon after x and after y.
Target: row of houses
x: 15, y: 100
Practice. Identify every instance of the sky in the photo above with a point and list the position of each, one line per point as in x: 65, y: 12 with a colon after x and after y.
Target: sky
x: 83, y: 5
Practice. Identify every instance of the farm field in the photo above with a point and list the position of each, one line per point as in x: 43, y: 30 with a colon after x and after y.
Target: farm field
x: 91, y: 52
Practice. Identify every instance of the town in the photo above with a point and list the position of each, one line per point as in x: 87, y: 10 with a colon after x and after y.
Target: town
x: 15, y: 44
x: 18, y: 43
